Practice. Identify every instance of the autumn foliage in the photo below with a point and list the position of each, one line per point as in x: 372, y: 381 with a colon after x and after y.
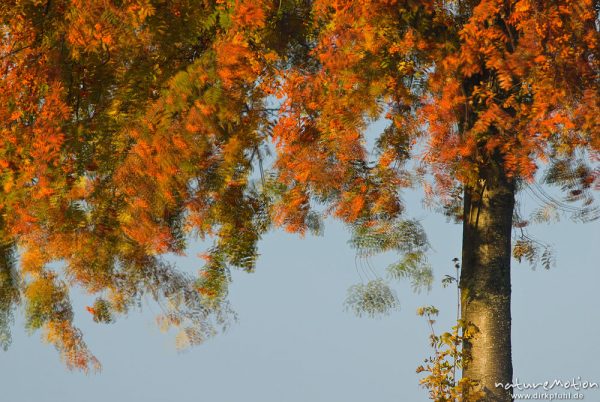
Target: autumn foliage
x: 130, y: 126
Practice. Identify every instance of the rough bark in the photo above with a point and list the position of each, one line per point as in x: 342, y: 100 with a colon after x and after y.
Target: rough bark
x: 485, y: 280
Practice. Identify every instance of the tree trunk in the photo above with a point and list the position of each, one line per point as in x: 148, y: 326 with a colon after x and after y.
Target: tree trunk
x: 485, y: 281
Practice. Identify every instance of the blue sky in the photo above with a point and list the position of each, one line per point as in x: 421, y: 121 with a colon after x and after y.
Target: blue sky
x: 294, y: 342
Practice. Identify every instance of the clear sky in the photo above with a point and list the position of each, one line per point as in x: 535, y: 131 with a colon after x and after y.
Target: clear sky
x: 295, y: 343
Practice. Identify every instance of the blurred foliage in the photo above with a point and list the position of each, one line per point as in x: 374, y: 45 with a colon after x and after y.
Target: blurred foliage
x: 373, y: 299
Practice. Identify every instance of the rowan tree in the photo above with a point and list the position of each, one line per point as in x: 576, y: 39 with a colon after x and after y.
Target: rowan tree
x: 131, y: 125
x: 480, y: 94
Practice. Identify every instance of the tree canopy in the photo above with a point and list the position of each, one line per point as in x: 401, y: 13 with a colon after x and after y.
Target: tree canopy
x: 129, y: 126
